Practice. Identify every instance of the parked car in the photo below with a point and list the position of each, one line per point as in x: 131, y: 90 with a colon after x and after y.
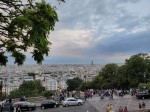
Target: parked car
x: 142, y: 95
x: 23, y: 98
x: 49, y: 104
x: 72, y: 101
x: 25, y: 105
x: 7, y: 107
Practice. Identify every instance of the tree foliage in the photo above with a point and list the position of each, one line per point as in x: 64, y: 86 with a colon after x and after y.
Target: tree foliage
x: 47, y: 93
x: 25, y: 26
x: 135, y: 71
x: 28, y: 88
x: 74, y: 84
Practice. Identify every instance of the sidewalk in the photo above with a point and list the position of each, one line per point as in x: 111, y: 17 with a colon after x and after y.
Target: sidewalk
x: 96, y: 97
x: 126, y: 101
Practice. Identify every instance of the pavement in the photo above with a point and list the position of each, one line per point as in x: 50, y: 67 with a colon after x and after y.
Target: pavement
x: 126, y: 101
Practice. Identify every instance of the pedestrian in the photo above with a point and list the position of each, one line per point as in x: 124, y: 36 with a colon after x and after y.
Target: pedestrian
x: 85, y: 97
x: 125, y: 109
x: 15, y: 109
x: 111, y: 107
x: 91, y: 95
x: 143, y: 105
x: 18, y: 109
x: 108, y: 108
x: 102, y: 96
x: 120, y: 109
x: 140, y: 106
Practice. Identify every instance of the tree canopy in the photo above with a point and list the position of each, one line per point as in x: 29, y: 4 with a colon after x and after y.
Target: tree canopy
x: 129, y: 75
x: 25, y: 26
x: 74, y: 84
x: 28, y: 88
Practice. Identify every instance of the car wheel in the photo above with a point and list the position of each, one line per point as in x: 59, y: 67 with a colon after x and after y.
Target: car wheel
x: 55, y: 106
x: 66, y: 105
x: 79, y: 103
x: 30, y: 109
x: 143, y: 98
x: 42, y: 107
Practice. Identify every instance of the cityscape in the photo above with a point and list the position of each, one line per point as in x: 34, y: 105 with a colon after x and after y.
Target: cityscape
x: 75, y: 55
x: 53, y: 77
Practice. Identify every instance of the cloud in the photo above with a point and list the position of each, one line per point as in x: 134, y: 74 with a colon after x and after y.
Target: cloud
x: 70, y: 42
x: 126, y: 44
x: 100, y: 30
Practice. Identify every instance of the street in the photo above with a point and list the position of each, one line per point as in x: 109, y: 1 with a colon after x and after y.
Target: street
x: 99, y: 105
x: 86, y: 107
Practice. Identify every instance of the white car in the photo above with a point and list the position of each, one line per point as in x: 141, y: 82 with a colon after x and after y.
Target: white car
x: 71, y: 101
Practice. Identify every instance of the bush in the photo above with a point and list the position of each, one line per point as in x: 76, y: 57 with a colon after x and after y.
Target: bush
x: 47, y: 93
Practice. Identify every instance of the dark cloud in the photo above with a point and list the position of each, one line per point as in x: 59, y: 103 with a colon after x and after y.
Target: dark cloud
x: 122, y: 44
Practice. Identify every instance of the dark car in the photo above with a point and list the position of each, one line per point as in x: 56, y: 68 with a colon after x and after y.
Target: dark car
x: 7, y: 107
x: 143, y: 94
x: 25, y: 105
x: 49, y: 104
x: 23, y: 98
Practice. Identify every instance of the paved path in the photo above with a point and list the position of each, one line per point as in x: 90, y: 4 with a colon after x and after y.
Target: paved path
x: 126, y: 101
x: 86, y: 107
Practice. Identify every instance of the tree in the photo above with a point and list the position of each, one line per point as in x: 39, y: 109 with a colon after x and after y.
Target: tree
x: 136, y: 67
x: 74, y: 84
x: 32, y: 86
x: 109, y: 76
x: 25, y: 26
x: 28, y: 88
x: 32, y: 74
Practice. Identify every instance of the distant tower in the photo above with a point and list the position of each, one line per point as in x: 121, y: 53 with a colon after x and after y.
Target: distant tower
x: 92, y: 62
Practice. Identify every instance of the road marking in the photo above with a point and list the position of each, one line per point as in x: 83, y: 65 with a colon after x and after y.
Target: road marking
x: 104, y: 105
x: 116, y: 104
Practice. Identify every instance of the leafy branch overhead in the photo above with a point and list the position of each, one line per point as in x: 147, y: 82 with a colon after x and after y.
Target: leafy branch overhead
x: 25, y: 26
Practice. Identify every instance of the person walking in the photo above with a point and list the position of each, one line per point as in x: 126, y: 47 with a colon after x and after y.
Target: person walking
x: 125, y: 109
x: 120, y: 109
x: 140, y: 106
x: 108, y: 108
x: 143, y: 105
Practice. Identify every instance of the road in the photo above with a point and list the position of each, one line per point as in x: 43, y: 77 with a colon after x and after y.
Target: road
x: 98, y: 105
x: 86, y: 107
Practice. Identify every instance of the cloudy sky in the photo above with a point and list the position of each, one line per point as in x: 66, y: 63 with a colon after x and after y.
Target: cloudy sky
x: 105, y: 31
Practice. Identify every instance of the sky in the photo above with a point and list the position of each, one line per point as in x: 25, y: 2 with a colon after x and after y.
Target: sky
x: 105, y: 31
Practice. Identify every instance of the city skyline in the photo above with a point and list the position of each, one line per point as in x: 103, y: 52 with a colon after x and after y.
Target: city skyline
x: 104, y: 31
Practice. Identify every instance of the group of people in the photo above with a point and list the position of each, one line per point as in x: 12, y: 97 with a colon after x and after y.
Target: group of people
x: 8, y: 106
x: 110, y: 109
x: 123, y: 110
x: 106, y: 93
x: 142, y: 105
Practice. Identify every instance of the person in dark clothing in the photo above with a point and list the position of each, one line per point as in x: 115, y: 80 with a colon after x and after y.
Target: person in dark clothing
x: 140, y: 106
x: 143, y: 105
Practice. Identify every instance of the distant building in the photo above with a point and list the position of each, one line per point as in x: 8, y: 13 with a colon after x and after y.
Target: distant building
x: 51, y: 84
x: 92, y: 63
